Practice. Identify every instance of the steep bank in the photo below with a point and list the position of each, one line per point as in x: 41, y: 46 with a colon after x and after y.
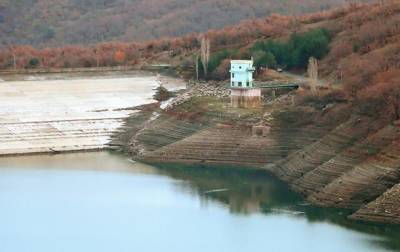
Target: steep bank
x: 386, y: 208
x: 331, y: 156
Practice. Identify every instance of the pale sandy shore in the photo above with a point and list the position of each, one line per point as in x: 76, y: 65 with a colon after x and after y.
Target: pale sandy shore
x: 40, y: 115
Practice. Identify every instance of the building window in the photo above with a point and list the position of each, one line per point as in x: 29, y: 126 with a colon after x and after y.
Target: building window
x: 240, y: 67
x: 233, y: 75
x: 240, y: 83
x: 248, y: 84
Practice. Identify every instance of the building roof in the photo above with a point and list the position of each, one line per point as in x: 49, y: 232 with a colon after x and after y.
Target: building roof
x: 242, y: 61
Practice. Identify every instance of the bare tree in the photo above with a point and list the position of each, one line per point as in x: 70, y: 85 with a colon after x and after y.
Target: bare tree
x: 14, y: 57
x: 96, y: 52
x: 11, y: 49
x: 313, y: 73
x: 205, y: 53
x: 197, y: 67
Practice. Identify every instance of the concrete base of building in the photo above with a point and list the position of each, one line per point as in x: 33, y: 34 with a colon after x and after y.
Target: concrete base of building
x: 246, y: 97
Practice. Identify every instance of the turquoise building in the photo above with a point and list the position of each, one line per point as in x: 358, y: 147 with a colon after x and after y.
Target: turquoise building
x: 243, y: 92
x: 242, y: 74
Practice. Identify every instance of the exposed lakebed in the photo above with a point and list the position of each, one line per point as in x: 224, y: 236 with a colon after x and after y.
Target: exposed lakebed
x: 46, y: 113
x: 106, y: 202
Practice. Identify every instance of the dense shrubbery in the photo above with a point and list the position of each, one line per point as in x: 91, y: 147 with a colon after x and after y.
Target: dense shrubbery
x: 217, y: 58
x: 293, y: 53
x: 264, y: 58
x: 219, y: 63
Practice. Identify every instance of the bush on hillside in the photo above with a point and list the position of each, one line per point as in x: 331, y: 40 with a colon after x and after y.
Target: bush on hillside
x: 222, y: 71
x: 270, y: 53
x: 217, y: 58
x: 33, y: 63
x: 263, y: 59
x: 295, y: 52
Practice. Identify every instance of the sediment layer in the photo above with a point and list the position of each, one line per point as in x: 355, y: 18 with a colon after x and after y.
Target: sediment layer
x: 364, y: 182
x: 224, y: 144
x: 385, y: 209
x: 346, y: 160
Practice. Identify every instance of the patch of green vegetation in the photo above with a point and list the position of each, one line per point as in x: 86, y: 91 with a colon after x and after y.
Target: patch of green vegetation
x: 264, y: 58
x: 291, y: 54
x: 295, y: 52
x: 33, y: 63
x: 217, y: 58
x: 371, y: 150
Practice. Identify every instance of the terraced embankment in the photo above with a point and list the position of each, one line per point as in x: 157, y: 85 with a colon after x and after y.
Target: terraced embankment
x: 385, y: 209
x: 333, y: 158
x: 349, y: 168
x: 207, y: 129
x: 234, y: 142
x: 344, y: 161
x: 68, y: 113
x: 221, y: 144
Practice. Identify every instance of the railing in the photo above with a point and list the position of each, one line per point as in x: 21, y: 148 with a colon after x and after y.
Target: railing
x: 278, y: 86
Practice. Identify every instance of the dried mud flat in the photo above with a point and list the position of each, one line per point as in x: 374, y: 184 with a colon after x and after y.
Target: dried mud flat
x: 41, y: 114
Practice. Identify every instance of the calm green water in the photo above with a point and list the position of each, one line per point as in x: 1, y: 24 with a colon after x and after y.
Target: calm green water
x: 104, y: 202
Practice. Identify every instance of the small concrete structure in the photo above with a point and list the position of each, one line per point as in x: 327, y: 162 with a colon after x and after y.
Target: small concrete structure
x: 243, y: 92
x: 261, y: 130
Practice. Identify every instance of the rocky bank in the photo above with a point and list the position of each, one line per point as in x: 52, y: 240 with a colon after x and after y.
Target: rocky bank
x: 333, y: 157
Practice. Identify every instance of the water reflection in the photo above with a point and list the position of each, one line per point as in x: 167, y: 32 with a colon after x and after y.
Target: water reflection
x: 248, y: 191
x: 243, y: 191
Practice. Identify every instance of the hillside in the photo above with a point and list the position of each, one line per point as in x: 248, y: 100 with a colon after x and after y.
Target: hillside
x: 63, y: 22
x: 338, y: 146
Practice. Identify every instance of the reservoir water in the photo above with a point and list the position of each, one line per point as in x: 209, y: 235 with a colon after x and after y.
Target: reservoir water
x: 106, y: 202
